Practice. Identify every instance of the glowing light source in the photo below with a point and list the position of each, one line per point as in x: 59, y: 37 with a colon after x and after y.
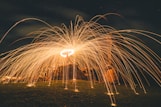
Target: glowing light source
x: 67, y: 52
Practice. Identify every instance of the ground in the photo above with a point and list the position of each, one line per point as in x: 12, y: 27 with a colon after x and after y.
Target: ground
x: 18, y: 95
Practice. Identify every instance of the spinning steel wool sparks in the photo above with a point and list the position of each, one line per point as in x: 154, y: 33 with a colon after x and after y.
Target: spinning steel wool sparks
x: 84, y: 45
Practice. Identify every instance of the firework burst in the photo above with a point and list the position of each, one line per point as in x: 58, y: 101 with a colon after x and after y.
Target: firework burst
x: 87, y: 46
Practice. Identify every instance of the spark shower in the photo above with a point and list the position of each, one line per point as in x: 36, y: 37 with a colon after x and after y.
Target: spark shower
x: 86, y: 45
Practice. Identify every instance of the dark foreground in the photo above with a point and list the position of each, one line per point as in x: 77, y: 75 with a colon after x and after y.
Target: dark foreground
x: 18, y: 95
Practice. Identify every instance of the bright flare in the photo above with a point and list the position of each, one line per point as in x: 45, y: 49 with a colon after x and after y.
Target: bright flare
x: 66, y: 52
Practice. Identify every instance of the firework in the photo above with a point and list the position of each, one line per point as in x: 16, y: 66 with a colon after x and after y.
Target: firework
x: 101, y: 51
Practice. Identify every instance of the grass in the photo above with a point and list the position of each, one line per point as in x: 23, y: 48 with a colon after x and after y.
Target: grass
x: 18, y: 95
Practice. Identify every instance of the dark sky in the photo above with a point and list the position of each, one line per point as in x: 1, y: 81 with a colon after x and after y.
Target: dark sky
x: 138, y: 14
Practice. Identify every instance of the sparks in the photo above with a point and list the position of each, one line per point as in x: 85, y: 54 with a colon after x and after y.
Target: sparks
x: 111, y: 54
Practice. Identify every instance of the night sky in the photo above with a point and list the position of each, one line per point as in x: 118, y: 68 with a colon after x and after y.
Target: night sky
x: 137, y: 14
